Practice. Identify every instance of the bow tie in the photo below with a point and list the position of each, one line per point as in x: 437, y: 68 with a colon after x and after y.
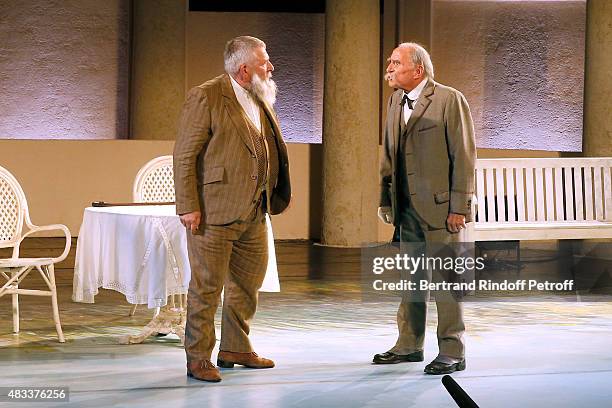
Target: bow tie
x: 406, y: 99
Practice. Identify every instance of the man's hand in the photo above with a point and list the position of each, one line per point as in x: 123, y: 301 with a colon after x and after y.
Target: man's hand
x: 385, y: 214
x: 455, y: 222
x: 191, y: 220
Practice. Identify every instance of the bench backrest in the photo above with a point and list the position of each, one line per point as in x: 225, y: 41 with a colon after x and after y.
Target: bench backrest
x: 544, y: 190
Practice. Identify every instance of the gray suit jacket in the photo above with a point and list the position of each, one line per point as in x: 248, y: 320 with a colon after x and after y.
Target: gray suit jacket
x: 440, y: 155
x: 215, y: 167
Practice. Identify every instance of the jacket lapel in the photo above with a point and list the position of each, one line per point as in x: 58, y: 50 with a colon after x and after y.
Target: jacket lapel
x: 395, y: 111
x: 421, y: 106
x: 236, y: 113
x: 280, y: 145
x: 272, y: 118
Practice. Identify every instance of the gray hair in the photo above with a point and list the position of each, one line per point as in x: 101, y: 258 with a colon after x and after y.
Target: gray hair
x: 240, y: 51
x: 420, y: 56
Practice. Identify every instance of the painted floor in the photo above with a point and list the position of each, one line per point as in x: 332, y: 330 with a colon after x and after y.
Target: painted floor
x: 322, y: 336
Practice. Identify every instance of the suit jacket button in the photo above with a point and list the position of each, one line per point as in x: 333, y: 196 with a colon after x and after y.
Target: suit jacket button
x: 253, y: 177
x: 253, y: 156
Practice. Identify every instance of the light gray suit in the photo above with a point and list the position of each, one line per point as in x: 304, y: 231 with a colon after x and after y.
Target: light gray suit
x: 438, y: 159
x: 442, y: 154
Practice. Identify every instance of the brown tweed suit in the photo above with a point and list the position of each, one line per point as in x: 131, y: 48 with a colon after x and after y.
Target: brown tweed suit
x: 216, y: 173
x: 439, y: 155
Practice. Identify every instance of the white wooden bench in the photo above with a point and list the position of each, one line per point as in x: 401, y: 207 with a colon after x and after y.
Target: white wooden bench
x: 541, y: 199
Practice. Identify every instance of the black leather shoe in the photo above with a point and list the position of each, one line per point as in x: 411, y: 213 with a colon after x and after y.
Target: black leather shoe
x: 389, y: 357
x: 438, y: 367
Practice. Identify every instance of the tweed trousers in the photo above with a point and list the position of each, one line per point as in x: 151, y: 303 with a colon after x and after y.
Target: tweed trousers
x: 233, y: 256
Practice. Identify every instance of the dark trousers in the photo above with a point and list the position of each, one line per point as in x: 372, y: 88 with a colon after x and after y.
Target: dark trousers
x: 412, y: 313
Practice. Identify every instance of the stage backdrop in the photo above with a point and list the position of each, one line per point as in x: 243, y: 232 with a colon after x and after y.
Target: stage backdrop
x: 521, y: 66
x: 64, y: 67
x: 296, y: 45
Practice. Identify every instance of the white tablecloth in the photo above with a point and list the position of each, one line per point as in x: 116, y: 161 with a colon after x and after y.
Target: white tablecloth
x: 140, y: 251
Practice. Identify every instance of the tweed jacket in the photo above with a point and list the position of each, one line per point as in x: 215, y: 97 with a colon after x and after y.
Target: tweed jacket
x: 215, y: 166
x: 440, y: 155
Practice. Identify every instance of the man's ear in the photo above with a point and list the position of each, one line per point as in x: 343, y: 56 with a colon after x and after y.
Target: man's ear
x: 419, y: 70
x: 244, y: 72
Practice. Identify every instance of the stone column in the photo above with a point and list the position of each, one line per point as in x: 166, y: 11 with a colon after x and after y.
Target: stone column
x: 158, y: 68
x: 351, y: 122
x: 598, y: 80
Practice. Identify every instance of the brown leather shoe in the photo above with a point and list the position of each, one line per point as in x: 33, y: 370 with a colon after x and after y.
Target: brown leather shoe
x: 203, y: 370
x: 227, y: 359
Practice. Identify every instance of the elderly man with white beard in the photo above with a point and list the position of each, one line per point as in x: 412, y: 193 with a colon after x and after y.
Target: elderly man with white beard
x: 230, y: 169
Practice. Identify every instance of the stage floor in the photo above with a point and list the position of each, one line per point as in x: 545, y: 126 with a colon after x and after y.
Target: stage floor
x: 322, y: 337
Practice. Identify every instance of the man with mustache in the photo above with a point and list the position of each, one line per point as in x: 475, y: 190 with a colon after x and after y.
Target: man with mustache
x: 230, y: 169
x: 427, y: 182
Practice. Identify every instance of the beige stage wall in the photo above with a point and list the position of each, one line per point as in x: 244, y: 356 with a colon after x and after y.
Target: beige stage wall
x: 62, y: 177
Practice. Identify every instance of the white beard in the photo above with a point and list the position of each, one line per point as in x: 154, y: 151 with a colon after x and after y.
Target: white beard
x: 264, y: 89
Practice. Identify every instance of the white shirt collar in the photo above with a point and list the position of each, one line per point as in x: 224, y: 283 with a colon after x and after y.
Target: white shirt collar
x: 238, y: 89
x: 416, y: 92
x: 247, y: 102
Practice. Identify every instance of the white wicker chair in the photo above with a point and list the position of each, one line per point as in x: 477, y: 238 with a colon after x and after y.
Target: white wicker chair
x: 13, y: 213
x: 154, y: 183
